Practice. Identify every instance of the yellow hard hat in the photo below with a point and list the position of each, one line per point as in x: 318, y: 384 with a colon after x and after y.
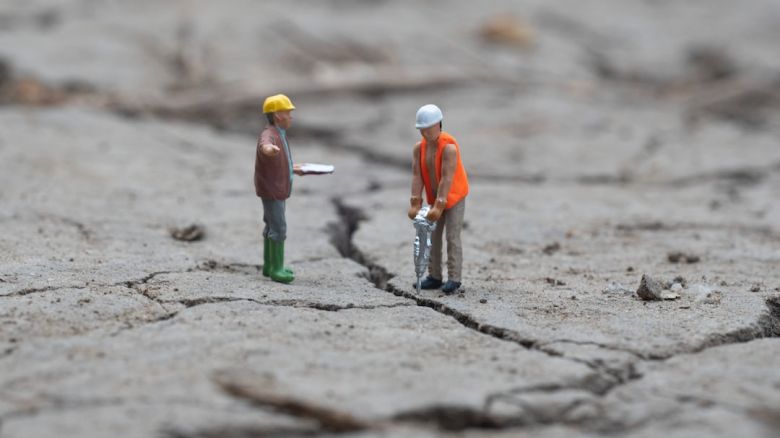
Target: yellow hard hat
x: 277, y: 102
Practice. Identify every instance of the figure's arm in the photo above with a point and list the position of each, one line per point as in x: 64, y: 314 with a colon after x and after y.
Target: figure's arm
x: 267, y: 147
x: 269, y: 150
x: 449, y: 162
x: 417, y: 183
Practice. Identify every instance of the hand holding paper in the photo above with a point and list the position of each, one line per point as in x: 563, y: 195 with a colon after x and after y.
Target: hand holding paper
x: 313, y: 169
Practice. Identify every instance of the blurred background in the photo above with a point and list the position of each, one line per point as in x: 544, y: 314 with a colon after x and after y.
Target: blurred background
x: 599, y: 91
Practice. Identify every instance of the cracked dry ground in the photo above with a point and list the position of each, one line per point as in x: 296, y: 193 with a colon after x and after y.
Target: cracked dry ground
x: 579, y: 186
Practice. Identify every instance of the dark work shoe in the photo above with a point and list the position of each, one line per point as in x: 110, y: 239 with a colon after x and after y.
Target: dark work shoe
x: 429, y: 283
x: 450, y: 286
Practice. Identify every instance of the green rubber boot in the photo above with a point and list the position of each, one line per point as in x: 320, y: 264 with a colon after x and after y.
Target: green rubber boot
x: 281, y: 260
x: 278, y: 272
x: 267, y: 262
x: 266, y: 257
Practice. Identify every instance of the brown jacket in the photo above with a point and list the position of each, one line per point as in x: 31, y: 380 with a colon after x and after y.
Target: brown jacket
x: 272, y: 174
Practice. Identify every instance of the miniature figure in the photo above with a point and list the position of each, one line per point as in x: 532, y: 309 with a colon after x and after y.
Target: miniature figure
x: 274, y: 171
x: 437, y: 167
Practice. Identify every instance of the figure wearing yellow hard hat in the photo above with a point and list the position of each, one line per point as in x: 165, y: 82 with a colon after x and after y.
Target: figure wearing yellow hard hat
x: 273, y: 183
x: 274, y: 170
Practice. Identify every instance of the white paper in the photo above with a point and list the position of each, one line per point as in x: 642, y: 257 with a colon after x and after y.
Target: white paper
x: 317, y: 168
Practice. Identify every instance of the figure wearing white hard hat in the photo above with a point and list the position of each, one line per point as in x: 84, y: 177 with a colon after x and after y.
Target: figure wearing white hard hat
x: 438, y: 169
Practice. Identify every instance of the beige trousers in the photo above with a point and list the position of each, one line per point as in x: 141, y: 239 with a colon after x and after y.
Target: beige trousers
x: 452, y: 220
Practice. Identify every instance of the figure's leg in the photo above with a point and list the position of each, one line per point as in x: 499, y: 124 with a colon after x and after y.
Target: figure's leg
x: 434, y: 266
x: 266, y: 257
x: 266, y: 244
x: 277, y: 233
x: 454, y: 224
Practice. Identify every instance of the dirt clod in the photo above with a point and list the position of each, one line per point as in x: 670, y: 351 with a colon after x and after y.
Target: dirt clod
x: 190, y: 233
x: 554, y: 281
x: 681, y: 257
x: 507, y: 30
x: 551, y: 248
x: 649, y: 289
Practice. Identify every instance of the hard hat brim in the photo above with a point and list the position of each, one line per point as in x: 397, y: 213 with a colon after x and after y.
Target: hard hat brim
x: 421, y: 126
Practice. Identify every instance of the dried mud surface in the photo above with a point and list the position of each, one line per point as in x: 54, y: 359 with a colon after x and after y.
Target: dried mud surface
x: 606, y: 143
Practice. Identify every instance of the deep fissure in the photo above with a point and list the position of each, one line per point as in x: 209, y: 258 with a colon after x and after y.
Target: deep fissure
x: 601, y: 383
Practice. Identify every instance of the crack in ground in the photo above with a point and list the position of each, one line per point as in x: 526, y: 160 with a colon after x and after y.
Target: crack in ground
x: 455, y: 417
x: 233, y: 431
x: 593, y: 343
x: 741, y: 176
x: 446, y: 417
x: 601, y: 383
x: 193, y: 302
x: 341, y: 236
x: 329, y: 419
x: 600, y: 345
x: 451, y: 417
x: 59, y: 404
x: 35, y: 290
x: 8, y: 351
x: 761, y: 230
x: 82, y: 229
x: 341, y: 233
x: 137, y: 285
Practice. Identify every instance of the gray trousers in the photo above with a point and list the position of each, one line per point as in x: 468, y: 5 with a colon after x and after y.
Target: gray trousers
x: 452, y: 220
x: 275, y: 223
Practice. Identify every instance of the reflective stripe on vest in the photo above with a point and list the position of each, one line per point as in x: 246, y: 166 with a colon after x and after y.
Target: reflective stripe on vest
x: 460, y: 182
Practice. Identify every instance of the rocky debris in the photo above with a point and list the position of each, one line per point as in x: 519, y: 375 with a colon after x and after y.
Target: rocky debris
x: 554, y: 281
x: 642, y: 226
x: 614, y: 288
x: 705, y: 294
x: 653, y: 290
x: 710, y: 63
x: 649, y: 289
x: 749, y: 103
x: 677, y: 280
x: 714, y: 297
x: 670, y: 295
x: 551, y: 248
x: 681, y: 257
x: 189, y: 233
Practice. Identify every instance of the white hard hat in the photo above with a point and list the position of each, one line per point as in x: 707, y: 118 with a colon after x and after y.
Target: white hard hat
x: 428, y: 115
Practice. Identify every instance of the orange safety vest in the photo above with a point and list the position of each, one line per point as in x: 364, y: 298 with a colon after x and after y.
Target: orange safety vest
x: 460, y: 182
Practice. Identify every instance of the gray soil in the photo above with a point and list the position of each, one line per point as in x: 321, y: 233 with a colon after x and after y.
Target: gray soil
x: 622, y: 238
